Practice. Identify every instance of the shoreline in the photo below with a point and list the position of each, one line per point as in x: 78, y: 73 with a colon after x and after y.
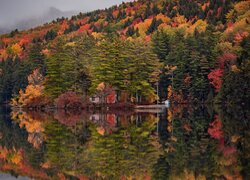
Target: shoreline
x: 121, y: 106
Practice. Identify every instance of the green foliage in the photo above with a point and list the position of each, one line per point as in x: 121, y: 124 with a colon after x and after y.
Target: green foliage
x: 69, y: 67
x: 130, y: 31
x: 127, y: 23
x: 61, y: 146
x: 50, y: 35
x: 115, y: 155
x: 125, y: 66
x: 236, y: 82
x: 13, y: 77
x: 161, y: 44
x: 154, y: 25
x: 235, y: 87
x: 72, y: 27
x: 148, y: 11
x: 193, y: 57
x: 13, y: 33
x: 78, y: 68
x: 188, y: 35
x: 55, y: 84
x: 36, y: 58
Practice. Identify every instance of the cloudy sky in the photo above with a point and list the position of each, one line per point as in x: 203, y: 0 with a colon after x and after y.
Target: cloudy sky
x: 12, y: 11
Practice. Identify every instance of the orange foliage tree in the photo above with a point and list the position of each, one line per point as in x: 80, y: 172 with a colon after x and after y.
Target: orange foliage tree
x: 14, y: 50
x: 33, y: 90
x: 63, y: 27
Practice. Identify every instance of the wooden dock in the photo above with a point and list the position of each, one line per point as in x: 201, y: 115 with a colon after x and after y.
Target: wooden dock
x: 155, y: 108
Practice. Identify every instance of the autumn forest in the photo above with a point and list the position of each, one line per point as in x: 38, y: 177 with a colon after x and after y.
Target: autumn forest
x: 149, y: 89
x: 190, y: 51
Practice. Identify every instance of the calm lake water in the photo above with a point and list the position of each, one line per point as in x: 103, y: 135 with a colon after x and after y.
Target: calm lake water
x: 176, y: 143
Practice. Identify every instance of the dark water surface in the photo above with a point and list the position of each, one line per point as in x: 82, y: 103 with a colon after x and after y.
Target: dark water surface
x: 176, y: 143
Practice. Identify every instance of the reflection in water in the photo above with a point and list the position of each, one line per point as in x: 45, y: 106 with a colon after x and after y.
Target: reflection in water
x: 180, y: 143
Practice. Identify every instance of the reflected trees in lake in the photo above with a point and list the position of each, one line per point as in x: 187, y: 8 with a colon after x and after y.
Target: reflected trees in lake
x: 181, y: 142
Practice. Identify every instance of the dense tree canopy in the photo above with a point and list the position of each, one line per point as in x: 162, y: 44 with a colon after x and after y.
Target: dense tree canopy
x: 198, y: 50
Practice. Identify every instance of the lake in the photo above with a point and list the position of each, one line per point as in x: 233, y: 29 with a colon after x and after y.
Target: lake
x: 181, y: 142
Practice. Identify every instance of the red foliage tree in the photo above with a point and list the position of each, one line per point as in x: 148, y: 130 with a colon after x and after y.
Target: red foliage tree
x: 69, y: 100
x: 215, y: 78
x: 25, y: 40
x: 115, y: 13
x: 230, y: 24
x: 226, y: 57
x: 85, y: 27
x: 129, y: 10
x: 227, y: 150
x: 219, y: 12
x: 64, y: 25
x: 68, y: 117
x: 136, y: 21
x: 83, y: 21
x: 215, y: 129
x: 216, y: 75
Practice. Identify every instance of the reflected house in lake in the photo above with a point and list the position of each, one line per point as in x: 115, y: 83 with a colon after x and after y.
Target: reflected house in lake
x: 95, y: 99
x: 107, y: 123
x: 109, y: 120
x: 118, y: 119
x: 95, y: 117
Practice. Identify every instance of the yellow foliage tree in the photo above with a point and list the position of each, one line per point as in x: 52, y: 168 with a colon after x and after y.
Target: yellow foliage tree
x: 241, y: 13
x: 33, y: 90
x: 235, y: 69
x: 143, y: 27
x: 170, y: 92
x: 199, y: 25
x: 97, y: 35
x: 16, y: 158
x: 242, y: 7
x: 16, y: 49
x: 164, y: 18
x: 33, y: 126
x: 179, y: 19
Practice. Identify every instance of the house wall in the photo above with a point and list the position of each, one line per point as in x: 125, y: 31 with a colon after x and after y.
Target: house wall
x: 95, y: 100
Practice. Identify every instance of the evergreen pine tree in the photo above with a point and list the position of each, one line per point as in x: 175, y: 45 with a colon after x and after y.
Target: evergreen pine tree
x: 55, y: 84
x: 161, y: 44
x: 36, y: 58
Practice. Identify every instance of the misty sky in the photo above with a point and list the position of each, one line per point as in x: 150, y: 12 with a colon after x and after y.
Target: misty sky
x: 12, y: 11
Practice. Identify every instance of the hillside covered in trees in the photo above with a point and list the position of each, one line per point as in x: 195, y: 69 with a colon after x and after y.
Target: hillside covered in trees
x: 194, y: 51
